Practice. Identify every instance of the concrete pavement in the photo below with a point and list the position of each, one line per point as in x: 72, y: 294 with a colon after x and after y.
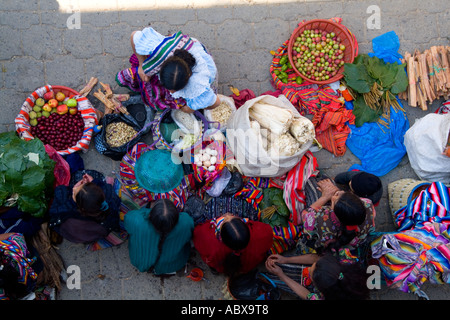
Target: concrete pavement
x: 66, y: 42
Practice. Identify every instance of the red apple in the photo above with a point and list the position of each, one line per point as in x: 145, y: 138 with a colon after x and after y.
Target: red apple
x: 62, y: 109
x: 73, y: 110
x: 53, y: 103
x: 49, y: 95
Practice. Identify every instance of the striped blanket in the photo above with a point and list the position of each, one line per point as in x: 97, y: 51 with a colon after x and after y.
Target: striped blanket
x: 411, y: 257
x: 431, y: 205
x: 284, y: 238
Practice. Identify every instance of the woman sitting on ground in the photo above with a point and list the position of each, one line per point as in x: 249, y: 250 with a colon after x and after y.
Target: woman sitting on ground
x: 233, y: 245
x: 85, y: 211
x: 17, y: 273
x: 337, y: 218
x: 314, y: 277
x: 172, y: 71
x: 159, y: 237
x: 363, y: 184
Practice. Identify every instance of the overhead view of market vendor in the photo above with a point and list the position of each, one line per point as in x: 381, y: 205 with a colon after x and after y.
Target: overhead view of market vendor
x: 172, y: 71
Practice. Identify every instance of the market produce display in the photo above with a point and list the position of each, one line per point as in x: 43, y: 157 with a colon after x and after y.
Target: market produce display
x: 428, y: 76
x: 278, y: 130
x: 26, y: 172
x: 318, y: 49
x: 374, y: 84
x: 55, y: 120
x: 119, y: 133
x: 318, y: 54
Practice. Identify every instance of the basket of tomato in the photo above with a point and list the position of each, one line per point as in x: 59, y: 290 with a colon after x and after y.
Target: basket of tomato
x: 318, y: 49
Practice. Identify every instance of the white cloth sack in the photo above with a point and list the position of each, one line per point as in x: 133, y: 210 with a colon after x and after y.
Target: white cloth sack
x: 250, y: 155
x: 425, y: 143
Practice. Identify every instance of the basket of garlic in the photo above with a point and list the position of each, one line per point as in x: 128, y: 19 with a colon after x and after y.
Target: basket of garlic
x: 208, y: 162
x: 268, y: 136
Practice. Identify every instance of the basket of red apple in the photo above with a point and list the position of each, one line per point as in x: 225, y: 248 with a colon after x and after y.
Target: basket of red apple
x: 58, y: 116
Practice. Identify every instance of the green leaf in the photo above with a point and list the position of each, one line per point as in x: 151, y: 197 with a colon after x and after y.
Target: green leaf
x: 12, y: 159
x: 31, y: 181
x: 4, y: 193
x: 27, y: 171
x: 401, y: 80
x: 357, y: 78
x: 380, y: 71
x: 31, y: 205
x: 363, y: 113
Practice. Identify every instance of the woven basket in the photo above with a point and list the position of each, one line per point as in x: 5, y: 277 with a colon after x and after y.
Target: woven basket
x: 87, y: 111
x: 400, y: 192
x: 348, y: 39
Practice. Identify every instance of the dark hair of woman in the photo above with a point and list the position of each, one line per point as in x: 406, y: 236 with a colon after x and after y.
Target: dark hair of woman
x: 164, y: 217
x: 350, y: 211
x: 235, y: 234
x: 338, y: 281
x: 176, y: 70
x: 90, y: 201
x: 9, y: 282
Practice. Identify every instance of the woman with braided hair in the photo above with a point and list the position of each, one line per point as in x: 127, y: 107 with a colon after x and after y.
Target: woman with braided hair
x: 337, y: 219
x: 159, y: 237
x: 316, y: 277
x: 173, y: 71
x: 233, y: 245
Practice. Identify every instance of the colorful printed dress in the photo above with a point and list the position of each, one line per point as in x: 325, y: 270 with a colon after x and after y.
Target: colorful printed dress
x: 200, y: 91
x: 321, y: 227
x: 14, y: 252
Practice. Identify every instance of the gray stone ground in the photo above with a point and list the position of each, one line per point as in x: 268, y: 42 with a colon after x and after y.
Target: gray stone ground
x: 66, y: 42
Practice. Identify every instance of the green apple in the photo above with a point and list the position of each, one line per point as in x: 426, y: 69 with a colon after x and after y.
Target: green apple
x: 33, y: 115
x: 39, y: 102
x: 71, y: 103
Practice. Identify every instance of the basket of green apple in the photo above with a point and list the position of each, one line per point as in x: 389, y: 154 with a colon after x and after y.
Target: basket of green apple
x: 58, y: 116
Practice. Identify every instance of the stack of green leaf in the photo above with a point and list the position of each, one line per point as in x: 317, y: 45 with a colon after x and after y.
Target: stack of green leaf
x: 273, y: 208
x: 26, y: 174
x: 375, y: 84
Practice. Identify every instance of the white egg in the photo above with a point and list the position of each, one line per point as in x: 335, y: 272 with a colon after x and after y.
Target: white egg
x: 206, y: 157
x: 214, y: 152
x: 208, y: 150
x: 207, y: 163
x: 198, y: 163
x: 196, y: 158
x: 213, y: 160
x: 211, y: 168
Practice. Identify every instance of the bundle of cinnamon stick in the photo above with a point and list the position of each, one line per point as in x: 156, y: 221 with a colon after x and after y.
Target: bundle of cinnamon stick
x: 112, y: 101
x: 428, y: 75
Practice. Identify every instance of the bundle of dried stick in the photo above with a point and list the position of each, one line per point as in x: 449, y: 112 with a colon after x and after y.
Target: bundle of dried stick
x: 112, y: 102
x: 428, y: 75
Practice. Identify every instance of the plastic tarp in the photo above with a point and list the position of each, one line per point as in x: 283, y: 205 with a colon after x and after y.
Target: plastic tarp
x: 380, y: 149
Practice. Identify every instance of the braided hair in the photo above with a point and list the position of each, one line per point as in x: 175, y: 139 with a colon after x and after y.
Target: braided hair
x: 176, y: 70
x: 339, y: 281
x: 235, y: 234
x: 90, y: 201
x: 350, y: 211
x: 164, y: 217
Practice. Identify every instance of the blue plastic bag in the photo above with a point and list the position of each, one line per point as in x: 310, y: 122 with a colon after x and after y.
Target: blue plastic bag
x: 380, y: 149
